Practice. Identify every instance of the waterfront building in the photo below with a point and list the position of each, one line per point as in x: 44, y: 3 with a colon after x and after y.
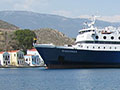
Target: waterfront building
x: 4, y: 59
x: 17, y: 58
x: 32, y: 60
x: 35, y: 53
x: 32, y: 51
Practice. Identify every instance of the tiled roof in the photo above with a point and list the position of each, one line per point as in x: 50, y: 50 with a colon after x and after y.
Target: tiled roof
x: 32, y: 49
x: 1, y: 52
x: 13, y: 51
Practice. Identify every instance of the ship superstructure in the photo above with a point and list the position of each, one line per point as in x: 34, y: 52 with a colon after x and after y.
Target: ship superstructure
x: 92, y: 38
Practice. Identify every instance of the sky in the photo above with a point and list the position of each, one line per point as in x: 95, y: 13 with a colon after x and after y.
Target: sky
x: 67, y: 8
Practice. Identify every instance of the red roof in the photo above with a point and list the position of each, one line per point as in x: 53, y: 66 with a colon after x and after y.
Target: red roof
x: 32, y: 49
x: 14, y: 51
x: 1, y: 52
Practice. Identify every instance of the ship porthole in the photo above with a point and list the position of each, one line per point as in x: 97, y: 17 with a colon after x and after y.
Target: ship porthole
x: 112, y: 37
x: 119, y: 38
x: 96, y: 37
x: 104, y: 37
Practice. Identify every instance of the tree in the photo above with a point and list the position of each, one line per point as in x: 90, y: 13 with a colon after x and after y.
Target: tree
x: 24, y: 39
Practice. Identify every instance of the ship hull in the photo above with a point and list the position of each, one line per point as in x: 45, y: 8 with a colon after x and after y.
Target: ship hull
x: 60, y: 57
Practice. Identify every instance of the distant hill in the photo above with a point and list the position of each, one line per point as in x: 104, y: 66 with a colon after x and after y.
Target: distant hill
x: 31, y: 20
x: 7, y: 26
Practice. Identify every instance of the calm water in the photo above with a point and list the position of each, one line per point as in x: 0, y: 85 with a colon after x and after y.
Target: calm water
x: 62, y: 79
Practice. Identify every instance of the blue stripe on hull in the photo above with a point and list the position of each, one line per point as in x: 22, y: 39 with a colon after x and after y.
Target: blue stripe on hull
x: 62, y: 56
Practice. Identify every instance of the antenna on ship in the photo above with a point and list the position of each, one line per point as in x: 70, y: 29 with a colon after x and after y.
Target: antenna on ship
x: 93, y: 21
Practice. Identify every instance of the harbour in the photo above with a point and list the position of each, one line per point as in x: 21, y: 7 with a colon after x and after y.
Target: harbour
x: 62, y: 79
x: 59, y: 45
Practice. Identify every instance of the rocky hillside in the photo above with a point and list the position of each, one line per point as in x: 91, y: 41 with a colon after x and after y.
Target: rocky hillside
x: 6, y: 26
x: 47, y: 36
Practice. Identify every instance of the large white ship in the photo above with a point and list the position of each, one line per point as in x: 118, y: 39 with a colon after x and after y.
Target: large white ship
x: 93, y: 48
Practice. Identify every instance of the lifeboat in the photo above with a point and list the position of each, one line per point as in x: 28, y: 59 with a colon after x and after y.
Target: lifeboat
x: 106, y: 32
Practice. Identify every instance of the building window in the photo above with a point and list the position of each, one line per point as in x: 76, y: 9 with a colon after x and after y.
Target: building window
x: 96, y: 37
x: 8, y: 61
x: 4, y: 62
x: 22, y: 62
x: 14, y: 54
x: 18, y: 62
x: 26, y: 59
x: 112, y: 37
x: 104, y: 37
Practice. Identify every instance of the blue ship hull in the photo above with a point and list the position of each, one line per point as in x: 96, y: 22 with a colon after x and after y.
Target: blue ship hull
x: 58, y: 57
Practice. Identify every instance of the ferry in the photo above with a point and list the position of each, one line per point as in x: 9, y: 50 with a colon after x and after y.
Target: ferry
x: 94, y: 48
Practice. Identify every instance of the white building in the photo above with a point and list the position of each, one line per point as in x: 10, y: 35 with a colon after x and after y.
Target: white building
x: 36, y: 54
x: 32, y: 60
x: 4, y: 59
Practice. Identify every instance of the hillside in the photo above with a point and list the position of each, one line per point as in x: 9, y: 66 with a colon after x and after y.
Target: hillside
x: 47, y: 36
x: 31, y: 20
x: 6, y: 26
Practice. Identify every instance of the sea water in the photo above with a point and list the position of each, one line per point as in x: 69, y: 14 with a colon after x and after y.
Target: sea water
x: 59, y: 79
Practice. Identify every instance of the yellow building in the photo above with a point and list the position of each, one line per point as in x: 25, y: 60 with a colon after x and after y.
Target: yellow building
x: 17, y: 58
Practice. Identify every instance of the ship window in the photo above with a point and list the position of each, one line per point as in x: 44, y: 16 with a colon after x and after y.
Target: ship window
x: 93, y: 47
x: 104, y: 47
x: 96, y: 37
x: 98, y: 47
x: 119, y: 38
x: 104, y: 37
x: 112, y: 37
x: 87, y: 47
x: 115, y: 47
x: 110, y: 47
